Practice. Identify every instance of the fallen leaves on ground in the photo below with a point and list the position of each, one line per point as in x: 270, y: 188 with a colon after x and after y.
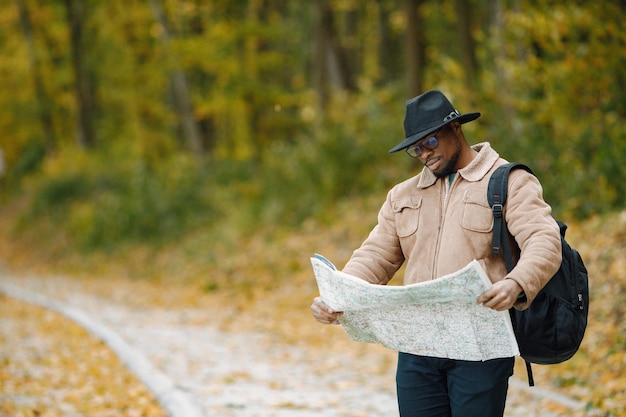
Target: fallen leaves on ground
x: 51, y: 367
x: 263, y: 281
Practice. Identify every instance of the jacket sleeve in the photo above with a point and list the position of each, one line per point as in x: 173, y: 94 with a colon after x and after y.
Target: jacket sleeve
x: 380, y: 255
x: 529, y: 219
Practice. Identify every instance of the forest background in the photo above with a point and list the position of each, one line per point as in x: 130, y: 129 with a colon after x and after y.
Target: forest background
x: 163, y: 139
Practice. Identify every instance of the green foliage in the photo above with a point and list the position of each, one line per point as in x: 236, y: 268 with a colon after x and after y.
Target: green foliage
x: 136, y: 206
x: 339, y: 159
x: 29, y: 160
x: 128, y: 201
x: 105, y: 198
x: 56, y: 194
x: 561, y: 110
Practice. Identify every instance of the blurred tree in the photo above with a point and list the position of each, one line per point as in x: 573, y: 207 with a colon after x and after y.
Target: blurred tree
x: 415, y: 48
x: 182, y: 104
x: 77, y: 14
x: 42, y: 98
x: 332, y: 70
x: 151, y: 81
x: 464, y: 30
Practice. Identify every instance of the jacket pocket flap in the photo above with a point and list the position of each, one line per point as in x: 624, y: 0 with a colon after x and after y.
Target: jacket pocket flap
x: 409, y: 202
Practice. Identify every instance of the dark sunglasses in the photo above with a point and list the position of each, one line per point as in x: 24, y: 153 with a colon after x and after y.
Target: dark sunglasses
x: 431, y: 143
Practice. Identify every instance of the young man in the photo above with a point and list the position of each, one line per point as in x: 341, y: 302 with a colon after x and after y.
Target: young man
x: 437, y: 222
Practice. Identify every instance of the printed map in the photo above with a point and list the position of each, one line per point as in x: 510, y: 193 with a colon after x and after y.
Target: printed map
x: 439, y: 318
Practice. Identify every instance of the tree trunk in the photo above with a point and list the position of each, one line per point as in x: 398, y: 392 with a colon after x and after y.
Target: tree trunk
x: 497, y: 24
x: 392, y: 46
x: 415, y: 49
x: 43, y: 101
x: 466, y: 42
x: 331, y: 64
x: 85, y: 99
x: 320, y: 77
x: 180, y: 89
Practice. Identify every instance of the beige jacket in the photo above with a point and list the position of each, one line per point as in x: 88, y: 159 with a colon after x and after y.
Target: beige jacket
x: 439, y: 228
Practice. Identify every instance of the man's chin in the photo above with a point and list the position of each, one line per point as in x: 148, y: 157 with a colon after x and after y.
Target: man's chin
x: 442, y: 173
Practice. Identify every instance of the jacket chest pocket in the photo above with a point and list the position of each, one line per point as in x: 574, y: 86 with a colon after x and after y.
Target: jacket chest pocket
x: 477, y: 215
x: 407, y: 215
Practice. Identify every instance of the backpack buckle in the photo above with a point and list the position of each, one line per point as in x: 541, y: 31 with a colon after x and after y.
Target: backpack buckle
x: 497, y: 210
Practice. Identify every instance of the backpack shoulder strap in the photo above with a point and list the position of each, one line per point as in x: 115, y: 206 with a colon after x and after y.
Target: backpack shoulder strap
x: 497, y: 192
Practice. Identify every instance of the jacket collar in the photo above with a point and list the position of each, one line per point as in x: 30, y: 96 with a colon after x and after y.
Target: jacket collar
x: 474, y: 171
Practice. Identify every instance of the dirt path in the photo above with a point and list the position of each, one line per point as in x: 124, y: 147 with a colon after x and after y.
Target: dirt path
x: 194, y: 369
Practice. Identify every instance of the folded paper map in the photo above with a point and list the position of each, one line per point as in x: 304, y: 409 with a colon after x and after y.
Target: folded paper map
x: 438, y: 318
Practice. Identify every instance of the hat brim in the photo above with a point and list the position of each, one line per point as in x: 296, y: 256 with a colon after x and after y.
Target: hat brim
x: 464, y: 118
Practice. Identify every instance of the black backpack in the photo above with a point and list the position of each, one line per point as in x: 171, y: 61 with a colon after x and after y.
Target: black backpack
x: 551, y: 329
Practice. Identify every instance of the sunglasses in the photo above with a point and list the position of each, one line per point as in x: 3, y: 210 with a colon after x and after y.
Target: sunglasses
x: 431, y: 143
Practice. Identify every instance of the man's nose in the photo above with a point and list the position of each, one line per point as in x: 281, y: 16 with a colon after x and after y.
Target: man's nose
x: 426, y: 153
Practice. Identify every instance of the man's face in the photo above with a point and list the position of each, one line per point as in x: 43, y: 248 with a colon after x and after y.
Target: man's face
x: 443, y: 159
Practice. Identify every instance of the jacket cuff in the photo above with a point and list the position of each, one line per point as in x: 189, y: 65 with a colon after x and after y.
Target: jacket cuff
x: 522, y: 302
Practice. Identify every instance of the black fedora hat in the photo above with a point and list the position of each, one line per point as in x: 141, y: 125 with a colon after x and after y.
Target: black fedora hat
x: 425, y: 114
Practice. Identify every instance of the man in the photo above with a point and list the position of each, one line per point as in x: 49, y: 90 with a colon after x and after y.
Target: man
x: 439, y: 221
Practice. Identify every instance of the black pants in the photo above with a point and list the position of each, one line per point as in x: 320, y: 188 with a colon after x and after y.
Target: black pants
x: 435, y: 387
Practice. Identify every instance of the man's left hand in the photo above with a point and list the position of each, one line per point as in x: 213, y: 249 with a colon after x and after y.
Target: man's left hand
x: 501, y: 296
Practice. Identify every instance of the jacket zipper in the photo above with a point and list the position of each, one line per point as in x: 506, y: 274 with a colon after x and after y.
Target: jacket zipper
x: 447, y: 190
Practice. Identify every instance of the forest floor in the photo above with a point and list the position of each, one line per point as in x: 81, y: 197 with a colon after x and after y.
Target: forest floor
x: 52, y: 367
x: 221, y: 319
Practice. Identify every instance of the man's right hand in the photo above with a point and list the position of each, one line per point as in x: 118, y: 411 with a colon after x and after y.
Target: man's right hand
x: 323, y: 313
